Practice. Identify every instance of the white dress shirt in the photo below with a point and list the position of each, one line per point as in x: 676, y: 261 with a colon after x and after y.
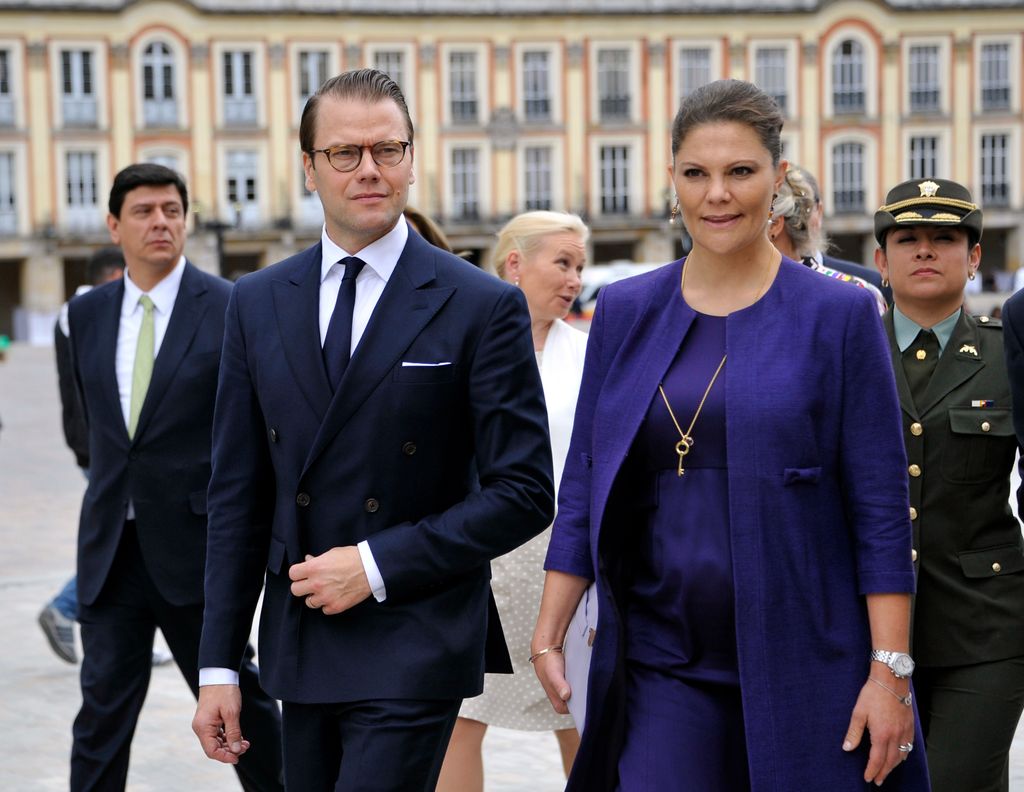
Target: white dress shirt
x: 163, y: 296
x: 381, y: 257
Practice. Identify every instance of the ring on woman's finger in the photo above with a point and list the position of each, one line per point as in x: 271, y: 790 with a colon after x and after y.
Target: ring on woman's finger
x: 906, y: 747
x: 309, y: 604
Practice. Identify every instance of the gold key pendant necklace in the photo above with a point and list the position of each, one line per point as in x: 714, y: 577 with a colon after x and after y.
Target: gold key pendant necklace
x: 686, y: 438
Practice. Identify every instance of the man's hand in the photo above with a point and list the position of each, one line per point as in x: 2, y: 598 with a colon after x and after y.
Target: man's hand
x: 216, y: 723
x: 333, y: 582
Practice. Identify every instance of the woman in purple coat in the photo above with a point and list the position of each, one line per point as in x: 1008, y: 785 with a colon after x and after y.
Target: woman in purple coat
x: 736, y: 485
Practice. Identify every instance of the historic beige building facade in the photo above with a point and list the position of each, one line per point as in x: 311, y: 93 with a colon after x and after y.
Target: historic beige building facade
x: 518, y: 104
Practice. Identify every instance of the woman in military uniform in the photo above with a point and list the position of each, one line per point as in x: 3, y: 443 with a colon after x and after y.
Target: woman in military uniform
x: 968, y: 619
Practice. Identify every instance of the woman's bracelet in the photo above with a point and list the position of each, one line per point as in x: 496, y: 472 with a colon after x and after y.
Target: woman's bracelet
x: 542, y: 652
x: 905, y: 700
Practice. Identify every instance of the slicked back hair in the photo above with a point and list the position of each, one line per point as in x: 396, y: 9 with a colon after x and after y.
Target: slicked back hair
x: 731, y: 101
x: 368, y: 85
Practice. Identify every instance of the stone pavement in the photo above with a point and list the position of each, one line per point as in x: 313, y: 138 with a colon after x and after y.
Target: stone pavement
x: 40, y: 491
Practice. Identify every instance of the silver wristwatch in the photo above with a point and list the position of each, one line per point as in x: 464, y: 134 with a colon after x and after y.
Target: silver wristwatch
x: 900, y: 663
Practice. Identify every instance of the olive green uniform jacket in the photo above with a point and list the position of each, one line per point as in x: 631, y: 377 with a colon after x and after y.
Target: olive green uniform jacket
x: 968, y: 551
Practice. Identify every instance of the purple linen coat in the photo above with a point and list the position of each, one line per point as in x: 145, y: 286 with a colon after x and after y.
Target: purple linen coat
x: 818, y: 512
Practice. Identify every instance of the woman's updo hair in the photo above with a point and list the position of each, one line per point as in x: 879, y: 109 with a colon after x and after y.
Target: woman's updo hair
x: 725, y: 101
x: 795, y: 203
x: 526, y: 231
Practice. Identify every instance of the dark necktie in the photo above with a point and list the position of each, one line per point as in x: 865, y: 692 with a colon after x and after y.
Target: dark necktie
x: 919, y: 361
x: 338, y: 342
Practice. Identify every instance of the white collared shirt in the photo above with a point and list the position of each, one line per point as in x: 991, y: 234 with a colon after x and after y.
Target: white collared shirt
x: 163, y: 296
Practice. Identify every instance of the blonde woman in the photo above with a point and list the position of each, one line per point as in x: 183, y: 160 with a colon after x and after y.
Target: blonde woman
x: 793, y: 231
x: 543, y: 253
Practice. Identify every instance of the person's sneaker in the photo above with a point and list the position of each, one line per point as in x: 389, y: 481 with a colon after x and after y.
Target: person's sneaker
x: 60, y: 632
x: 161, y: 657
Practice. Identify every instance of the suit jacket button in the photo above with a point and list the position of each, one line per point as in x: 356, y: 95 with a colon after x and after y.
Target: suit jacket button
x: 913, y: 555
x: 997, y: 567
x: 913, y: 513
x: 408, y: 449
x: 371, y: 505
x: 273, y: 435
x: 302, y: 499
x: 914, y: 470
x: 916, y: 429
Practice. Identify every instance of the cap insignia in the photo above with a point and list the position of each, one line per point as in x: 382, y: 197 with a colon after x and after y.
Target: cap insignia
x: 928, y: 189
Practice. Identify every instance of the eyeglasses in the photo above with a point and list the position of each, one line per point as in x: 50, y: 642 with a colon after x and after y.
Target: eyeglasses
x: 346, y: 158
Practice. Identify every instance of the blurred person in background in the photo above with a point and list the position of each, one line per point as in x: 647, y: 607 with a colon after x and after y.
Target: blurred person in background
x: 968, y: 619
x: 543, y: 253
x: 792, y: 231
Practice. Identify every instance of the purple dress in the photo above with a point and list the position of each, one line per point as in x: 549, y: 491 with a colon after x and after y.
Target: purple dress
x: 684, y: 715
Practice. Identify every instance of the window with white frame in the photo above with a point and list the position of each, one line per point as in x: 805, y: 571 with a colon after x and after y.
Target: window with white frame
x: 164, y: 158
x: 8, y: 193
x: 391, y: 63
x: 537, y: 177
x: 463, y: 100
x: 614, y: 165
x: 241, y: 186
x: 240, y: 107
x: 694, y: 69
x: 81, y: 197
x: 923, y: 77
x: 995, y: 76
x: 613, y: 87
x: 995, y: 169
x: 159, y: 107
x: 923, y: 156
x: 848, y: 190
x: 770, y: 74
x: 312, y: 73
x: 537, y: 86
x: 848, y: 95
x: 465, y: 183
x: 6, y: 89
x: 78, y: 94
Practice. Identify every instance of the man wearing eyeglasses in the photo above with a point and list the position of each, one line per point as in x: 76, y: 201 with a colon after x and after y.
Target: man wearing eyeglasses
x: 380, y: 435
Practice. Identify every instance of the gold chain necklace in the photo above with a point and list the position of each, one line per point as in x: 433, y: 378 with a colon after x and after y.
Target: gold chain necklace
x: 686, y: 438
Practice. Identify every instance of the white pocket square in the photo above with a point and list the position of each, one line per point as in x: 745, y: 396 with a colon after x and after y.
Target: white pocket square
x: 410, y: 364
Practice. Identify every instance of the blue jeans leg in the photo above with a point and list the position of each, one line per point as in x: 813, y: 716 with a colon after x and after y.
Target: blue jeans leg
x: 67, y: 600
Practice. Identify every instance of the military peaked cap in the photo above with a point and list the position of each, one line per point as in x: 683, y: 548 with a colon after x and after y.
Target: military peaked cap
x: 939, y: 202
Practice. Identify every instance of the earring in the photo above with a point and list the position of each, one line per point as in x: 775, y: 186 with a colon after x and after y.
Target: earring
x: 970, y: 276
x: 771, y: 209
x: 885, y: 283
x: 675, y: 212
x: 516, y: 282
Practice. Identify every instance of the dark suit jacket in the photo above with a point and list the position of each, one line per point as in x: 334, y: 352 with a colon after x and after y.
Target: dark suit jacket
x: 440, y: 467
x: 76, y: 431
x: 164, y: 470
x: 969, y: 556
x: 870, y: 274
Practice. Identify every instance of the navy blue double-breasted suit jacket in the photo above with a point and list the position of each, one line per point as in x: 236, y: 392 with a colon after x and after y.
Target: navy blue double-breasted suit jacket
x: 164, y: 470
x: 441, y: 467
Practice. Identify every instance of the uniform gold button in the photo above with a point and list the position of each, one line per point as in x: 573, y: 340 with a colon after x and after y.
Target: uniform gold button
x: 921, y: 354
x: 997, y: 567
x: 914, y: 470
x: 985, y: 426
x: 913, y: 555
x: 916, y: 429
x: 983, y: 319
x: 913, y: 513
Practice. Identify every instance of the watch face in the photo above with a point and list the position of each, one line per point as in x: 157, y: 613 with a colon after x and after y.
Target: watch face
x: 903, y: 665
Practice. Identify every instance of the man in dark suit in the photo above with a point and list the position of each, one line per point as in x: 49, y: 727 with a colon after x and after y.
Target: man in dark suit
x: 145, y: 351
x: 380, y: 435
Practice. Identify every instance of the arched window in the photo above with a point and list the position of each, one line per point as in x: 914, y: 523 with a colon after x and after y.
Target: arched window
x: 848, y: 78
x: 160, y: 107
x: 848, y: 177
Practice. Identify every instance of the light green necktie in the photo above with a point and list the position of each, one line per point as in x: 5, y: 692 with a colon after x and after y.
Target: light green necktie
x: 143, y: 370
